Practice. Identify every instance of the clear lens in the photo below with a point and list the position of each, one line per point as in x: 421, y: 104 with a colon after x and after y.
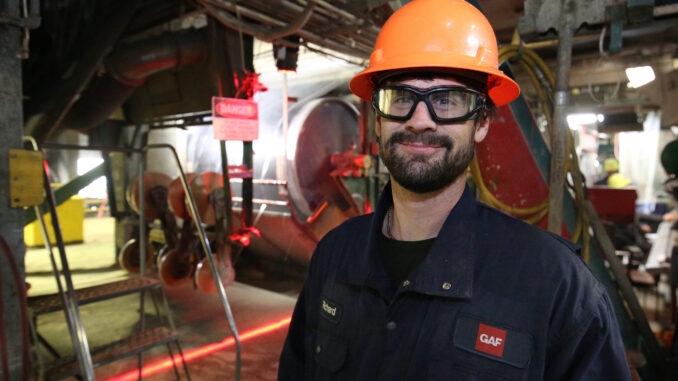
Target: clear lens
x: 396, y: 102
x: 446, y: 103
x: 452, y: 103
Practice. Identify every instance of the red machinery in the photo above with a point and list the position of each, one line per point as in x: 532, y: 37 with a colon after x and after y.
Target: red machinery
x: 614, y: 204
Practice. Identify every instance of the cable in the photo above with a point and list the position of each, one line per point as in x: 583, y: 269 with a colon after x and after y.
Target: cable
x: 544, y: 81
x: 23, y: 310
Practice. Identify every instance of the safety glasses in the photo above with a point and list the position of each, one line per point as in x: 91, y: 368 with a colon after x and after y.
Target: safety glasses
x: 446, y: 104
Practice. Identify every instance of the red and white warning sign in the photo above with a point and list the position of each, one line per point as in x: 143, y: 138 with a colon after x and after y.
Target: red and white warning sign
x: 235, y: 119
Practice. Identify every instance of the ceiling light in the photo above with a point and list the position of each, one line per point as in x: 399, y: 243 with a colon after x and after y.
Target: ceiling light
x: 639, y: 76
x: 575, y: 121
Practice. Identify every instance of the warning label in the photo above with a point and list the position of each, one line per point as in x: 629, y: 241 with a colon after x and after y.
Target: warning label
x: 235, y: 119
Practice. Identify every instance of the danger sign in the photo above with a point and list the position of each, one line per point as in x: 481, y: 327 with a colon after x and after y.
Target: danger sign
x: 235, y: 119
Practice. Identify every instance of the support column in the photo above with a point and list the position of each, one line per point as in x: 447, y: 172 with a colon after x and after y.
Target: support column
x: 11, y: 219
x: 560, y: 129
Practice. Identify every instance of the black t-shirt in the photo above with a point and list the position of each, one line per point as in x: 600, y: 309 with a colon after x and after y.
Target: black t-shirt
x: 401, y: 257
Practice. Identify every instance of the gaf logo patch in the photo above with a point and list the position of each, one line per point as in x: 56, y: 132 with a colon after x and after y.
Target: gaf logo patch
x: 490, y: 340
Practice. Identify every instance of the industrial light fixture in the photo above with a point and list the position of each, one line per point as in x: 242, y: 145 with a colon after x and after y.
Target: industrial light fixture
x: 575, y: 121
x: 639, y: 76
x: 286, y: 54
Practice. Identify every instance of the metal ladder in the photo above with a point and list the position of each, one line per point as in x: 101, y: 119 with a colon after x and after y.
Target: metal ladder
x: 69, y: 299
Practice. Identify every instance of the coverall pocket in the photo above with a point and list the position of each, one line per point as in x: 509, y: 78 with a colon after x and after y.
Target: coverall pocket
x: 446, y: 369
x: 330, y: 352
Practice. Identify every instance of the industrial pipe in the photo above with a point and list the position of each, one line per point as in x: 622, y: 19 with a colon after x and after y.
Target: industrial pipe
x: 268, y: 35
x: 128, y: 66
x: 360, y: 51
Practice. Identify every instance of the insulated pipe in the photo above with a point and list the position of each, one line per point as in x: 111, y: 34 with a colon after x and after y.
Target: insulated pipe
x: 128, y: 67
x: 132, y: 63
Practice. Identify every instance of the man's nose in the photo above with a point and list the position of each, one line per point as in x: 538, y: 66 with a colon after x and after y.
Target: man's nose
x: 421, y: 119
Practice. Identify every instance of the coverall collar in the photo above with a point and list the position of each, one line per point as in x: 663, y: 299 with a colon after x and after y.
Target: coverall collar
x: 447, y: 270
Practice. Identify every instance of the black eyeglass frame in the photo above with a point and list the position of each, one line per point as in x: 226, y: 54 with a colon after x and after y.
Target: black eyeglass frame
x: 423, y: 95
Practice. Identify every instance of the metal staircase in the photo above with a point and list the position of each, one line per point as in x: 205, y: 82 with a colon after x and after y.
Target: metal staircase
x: 68, y: 299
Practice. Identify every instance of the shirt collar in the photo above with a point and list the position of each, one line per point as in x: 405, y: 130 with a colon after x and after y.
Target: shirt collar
x: 446, y: 271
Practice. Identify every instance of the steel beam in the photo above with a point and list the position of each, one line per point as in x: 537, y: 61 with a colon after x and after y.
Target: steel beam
x: 70, y: 189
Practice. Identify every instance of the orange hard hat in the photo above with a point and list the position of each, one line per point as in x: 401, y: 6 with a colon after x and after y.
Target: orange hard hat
x: 437, y: 34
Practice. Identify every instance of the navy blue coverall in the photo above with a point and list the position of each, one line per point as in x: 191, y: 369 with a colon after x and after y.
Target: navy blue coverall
x: 494, y: 299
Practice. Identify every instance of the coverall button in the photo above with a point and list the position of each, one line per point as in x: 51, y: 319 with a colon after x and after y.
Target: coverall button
x: 318, y: 349
x: 447, y: 286
x: 406, y: 283
x: 391, y: 326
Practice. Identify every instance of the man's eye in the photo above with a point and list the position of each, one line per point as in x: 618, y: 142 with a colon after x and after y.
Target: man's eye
x: 403, y: 98
x: 444, y: 101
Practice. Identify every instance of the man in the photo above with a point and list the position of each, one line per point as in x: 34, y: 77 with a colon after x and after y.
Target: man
x: 613, y: 178
x: 433, y: 285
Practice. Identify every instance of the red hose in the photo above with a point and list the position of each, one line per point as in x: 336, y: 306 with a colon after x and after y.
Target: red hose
x: 21, y: 292
x: 3, y: 340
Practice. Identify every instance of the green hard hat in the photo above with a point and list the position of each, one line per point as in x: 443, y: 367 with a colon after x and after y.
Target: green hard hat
x: 669, y: 158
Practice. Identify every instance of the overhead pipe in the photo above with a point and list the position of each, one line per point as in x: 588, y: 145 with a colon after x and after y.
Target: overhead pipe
x: 132, y: 63
x: 325, y: 13
x: 268, y: 35
x: 216, y: 8
x: 328, y: 9
x: 128, y: 67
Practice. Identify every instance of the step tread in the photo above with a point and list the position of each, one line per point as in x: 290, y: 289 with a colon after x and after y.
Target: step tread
x: 49, y: 303
x: 130, y: 346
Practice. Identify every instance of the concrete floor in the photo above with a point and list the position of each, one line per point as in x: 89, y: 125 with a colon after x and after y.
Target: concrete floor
x: 200, y: 318
x: 257, y: 298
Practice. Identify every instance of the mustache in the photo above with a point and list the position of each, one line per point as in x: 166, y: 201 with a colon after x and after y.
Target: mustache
x: 429, y: 138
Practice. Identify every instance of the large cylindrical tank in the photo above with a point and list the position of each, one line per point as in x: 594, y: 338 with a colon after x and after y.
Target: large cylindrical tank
x: 317, y: 129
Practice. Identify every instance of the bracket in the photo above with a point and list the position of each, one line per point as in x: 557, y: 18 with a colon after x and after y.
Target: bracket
x: 25, y: 178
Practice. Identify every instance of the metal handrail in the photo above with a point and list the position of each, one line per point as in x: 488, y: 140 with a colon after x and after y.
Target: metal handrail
x: 73, y: 320
x: 194, y: 214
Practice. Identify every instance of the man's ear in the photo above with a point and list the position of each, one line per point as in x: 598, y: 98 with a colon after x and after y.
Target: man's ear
x: 377, y: 127
x: 482, y: 127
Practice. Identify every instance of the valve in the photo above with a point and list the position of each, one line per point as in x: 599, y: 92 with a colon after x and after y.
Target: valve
x: 242, y: 236
x: 152, y: 181
x: 129, y: 256
x: 204, y: 281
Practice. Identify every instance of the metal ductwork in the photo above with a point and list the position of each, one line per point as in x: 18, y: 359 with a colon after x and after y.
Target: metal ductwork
x: 127, y: 68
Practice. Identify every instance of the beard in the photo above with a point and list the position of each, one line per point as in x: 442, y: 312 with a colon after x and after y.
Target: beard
x: 423, y: 173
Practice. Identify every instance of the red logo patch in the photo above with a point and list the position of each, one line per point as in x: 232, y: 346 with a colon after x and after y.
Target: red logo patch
x: 490, y: 340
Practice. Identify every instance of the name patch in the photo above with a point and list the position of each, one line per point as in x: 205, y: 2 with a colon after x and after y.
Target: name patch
x: 330, y: 310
